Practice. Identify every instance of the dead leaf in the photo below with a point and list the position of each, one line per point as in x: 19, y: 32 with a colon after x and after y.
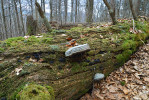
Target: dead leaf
x: 137, y: 75
x: 112, y: 89
x: 146, y: 79
x: 125, y: 90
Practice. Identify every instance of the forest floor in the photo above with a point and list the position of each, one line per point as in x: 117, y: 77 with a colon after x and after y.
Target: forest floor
x: 129, y: 82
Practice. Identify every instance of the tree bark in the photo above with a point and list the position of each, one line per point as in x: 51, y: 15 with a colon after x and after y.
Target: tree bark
x: 59, y: 12
x: 111, y: 12
x: 132, y: 10
x: 76, y: 11
x: 36, y: 12
x: 89, y: 11
x: 4, y: 19
x: 22, y: 18
x: 41, y: 13
x: 72, y: 1
x: 17, y: 16
x: 51, y: 10
x: 65, y: 3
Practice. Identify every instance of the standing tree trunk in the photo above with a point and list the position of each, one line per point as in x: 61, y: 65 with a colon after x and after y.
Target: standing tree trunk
x: 10, y: 20
x: 89, y: 11
x: 4, y: 19
x: 132, y: 10
x: 41, y: 13
x: 21, y: 18
x: 17, y: 15
x: 56, y: 10
x: 36, y: 12
x: 44, y: 9
x: 31, y: 25
x: 59, y: 12
x: 72, y: 1
x: 65, y: 3
x: 31, y: 6
x: 111, y: 11
x: 76, y: 9
x: 51, y: 10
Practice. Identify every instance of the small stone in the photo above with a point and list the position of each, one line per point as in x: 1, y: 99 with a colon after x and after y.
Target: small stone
x: 98, y: 76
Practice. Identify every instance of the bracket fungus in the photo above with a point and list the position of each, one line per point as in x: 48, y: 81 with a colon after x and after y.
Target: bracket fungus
x: 77, y: 49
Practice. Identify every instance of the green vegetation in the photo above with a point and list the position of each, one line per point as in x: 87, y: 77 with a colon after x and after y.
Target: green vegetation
x: 129, y: 44
x: 123, y: 83
x: 36, y: 92
x: 1, y: 50
x: 122, y: 58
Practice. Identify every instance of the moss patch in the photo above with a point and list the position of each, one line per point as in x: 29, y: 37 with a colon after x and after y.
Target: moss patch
x: 36, y: 92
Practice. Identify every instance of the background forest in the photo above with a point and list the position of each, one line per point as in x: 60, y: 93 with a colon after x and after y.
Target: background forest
x: 13, y: 13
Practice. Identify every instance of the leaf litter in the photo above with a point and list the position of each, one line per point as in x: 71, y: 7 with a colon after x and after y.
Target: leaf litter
x: 129, y: 82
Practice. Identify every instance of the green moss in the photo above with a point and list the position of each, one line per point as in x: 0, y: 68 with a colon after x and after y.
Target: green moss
x: 54, y: 47
x: 76, y: 67
x: 36, y: 92
x: 47, y: 40
x: 122, y: 58
x: 58, y: 31
x: 91, y: 53
x: 13, y: 40
x: 141, y: 36
x: 31, y: 40
x: 51, y: 91
x: 120, y: 27
x: 129, y: 44
x: 1, y: 50
x: 78, y: 29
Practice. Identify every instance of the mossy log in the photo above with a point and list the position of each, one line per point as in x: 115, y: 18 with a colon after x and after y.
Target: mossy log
x: 43, y: 61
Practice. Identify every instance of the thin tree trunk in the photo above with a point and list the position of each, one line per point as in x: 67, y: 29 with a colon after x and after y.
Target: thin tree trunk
x: 132, y: 10
x: 31, y: 7
x: 51, y: 10
x: 10, y: 21
x: 18, y: 21
x: 56, y: 10
x: 111, y: 12
x: 59, y: 11
x: 89, y: 11
x: 36, y: 12
x: 65, y: 3
x: 4, y: 19
x: 22, y: 18
x: 44, y: 9
x: 72, y: 1
x: 41, y: 13
x: 76, y: 13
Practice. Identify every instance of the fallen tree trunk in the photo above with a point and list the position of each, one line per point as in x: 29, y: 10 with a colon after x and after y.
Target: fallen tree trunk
x: 44, y: 61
